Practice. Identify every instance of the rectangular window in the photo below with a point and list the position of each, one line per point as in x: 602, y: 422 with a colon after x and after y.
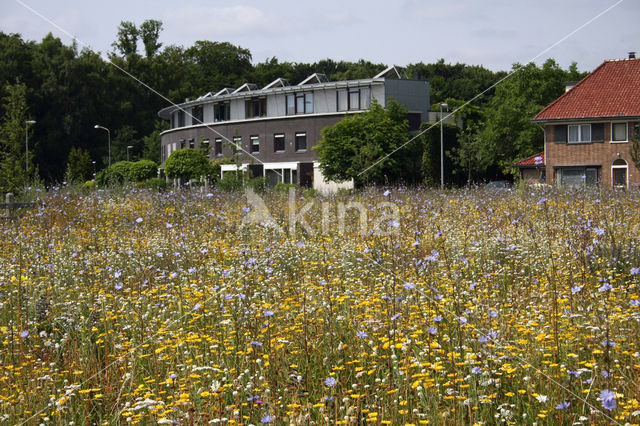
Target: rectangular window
x: 256, y: 107
x: 255, y: 144
x: 579, y: 133
x: 354, y: 99
x: 221, y: 111
x: 597, y: 132
x: 578, y: 177
x: 560, y: 134
x: 300, y: 103
x: 343, y: 100
x: 218, y: 147
x: 181, y: 143
x: 308, y: 103
x: 237, y: 144
x: 192, y: 143
x: 174, y: 119
x: 618, y: 132
x: 278, y: 142
x: 180, y: 118
x: 301, y: 141
x: 365, y: 98
x: 291, y: 104
x: 196, y: 115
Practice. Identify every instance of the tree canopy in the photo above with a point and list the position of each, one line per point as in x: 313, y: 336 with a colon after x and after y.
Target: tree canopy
x: 357, y: 146
x: 68, y: 91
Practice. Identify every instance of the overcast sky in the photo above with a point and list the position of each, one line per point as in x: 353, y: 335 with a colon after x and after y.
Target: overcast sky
x: 493, y: 33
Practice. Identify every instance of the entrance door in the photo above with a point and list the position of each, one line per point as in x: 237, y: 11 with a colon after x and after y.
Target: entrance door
x: 619, y: 171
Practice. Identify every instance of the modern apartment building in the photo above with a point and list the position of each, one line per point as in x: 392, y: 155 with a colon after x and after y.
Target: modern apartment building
x: 272, y: 130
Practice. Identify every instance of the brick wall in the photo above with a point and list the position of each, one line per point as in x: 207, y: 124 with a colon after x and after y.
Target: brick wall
x: 593, y: 153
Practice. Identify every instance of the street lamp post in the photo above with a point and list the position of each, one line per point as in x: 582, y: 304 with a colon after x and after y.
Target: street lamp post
x: 128, y: 148
x: 26, y: 143
x: 445, y: 106
x: 109, y: 135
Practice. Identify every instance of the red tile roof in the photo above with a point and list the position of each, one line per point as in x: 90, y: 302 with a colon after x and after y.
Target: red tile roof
x: 534, y: 160
x: 611, y: 90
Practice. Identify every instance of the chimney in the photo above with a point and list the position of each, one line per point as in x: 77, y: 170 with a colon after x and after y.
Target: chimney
x: 632, y: 55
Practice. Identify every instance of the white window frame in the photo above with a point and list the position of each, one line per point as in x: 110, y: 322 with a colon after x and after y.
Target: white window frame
x: 254, y: 148
x: 626, y: 173
x: 580, y: 136
x: 626, y: 132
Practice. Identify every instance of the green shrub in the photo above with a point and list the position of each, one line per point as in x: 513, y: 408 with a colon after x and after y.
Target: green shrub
x: 143, y: 170
x: 156, y: 183
x: 117, y: 174
x: 215, y: 167
x: 284, y: 187
x: 258, y: 184
x: 187, y: 164
x: 231, y: 181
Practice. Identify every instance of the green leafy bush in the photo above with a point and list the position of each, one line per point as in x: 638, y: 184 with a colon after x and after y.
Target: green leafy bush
x: 117, y: 174
x: 231, y: 181
x: 143, y: 170
x: 156, y: 183
x: 187, y: 164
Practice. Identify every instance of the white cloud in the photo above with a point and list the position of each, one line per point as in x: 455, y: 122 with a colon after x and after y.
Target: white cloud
x: 203, y: 22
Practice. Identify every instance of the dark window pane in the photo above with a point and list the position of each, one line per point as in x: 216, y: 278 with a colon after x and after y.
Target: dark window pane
x: 597, y: 132
x: 301, y: 141
x: 620, y: 177
x: 255, y: 144
x: 278, y: 142
x: 560, y: 134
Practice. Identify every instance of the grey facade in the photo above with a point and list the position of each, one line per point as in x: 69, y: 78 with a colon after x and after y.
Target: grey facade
x: 281, y: 123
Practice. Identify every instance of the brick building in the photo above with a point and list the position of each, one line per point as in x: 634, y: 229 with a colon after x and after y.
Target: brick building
x: 273, y: 129
x: 590, y: 128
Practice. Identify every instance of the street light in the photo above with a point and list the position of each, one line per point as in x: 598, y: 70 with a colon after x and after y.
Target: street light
x: 26, y: 143
x: 128, y: 148
x: 109, y: 135
x: 445, y: 106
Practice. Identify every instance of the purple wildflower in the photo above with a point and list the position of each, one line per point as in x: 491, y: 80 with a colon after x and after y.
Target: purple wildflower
x: 605, y: 287
x: 608, y: 399
x: 330, y: 382
x: 563, y: 405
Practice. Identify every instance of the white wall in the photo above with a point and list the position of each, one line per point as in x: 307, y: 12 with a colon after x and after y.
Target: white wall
x: 327, y: 186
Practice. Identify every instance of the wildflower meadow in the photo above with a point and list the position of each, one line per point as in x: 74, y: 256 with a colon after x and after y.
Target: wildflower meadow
x: 383, y: 306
